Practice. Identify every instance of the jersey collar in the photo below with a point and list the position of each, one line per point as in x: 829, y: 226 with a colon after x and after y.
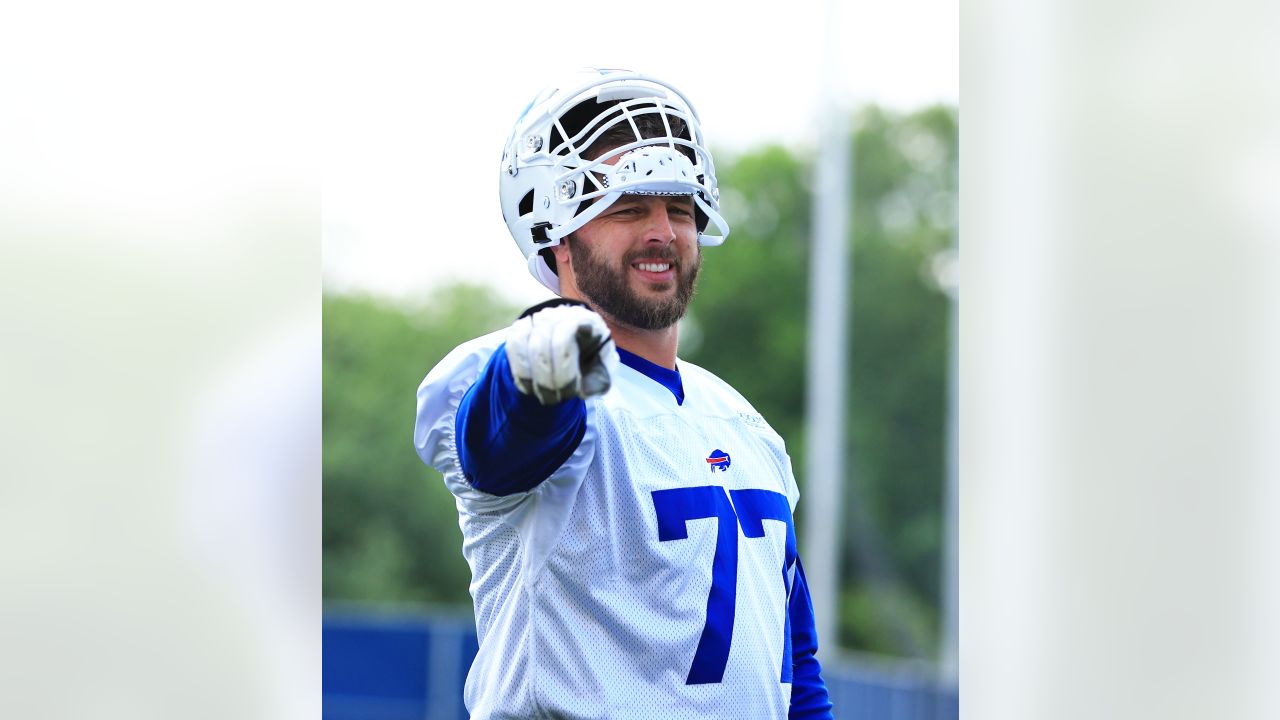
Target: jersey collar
x: 669, y: 379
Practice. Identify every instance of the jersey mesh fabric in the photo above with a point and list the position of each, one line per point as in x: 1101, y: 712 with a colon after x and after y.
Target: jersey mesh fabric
x: 591, y: 615
x: 492, y: 549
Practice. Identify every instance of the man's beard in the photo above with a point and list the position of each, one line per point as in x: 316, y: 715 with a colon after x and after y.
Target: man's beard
x: 609, y: 290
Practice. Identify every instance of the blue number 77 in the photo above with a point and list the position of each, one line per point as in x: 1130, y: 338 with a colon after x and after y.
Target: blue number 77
x: 674, y: 508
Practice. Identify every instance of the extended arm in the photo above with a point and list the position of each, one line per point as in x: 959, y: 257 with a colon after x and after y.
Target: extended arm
x: 525, y: 414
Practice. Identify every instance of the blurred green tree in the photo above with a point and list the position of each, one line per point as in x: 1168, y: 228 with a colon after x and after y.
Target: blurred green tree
x: 390, y: 527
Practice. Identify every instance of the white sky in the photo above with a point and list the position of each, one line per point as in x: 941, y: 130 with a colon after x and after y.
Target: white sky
x: 402, y: 107
x: 428, y: 97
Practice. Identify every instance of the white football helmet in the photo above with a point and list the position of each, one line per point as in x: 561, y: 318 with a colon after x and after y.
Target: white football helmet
x: 548, y: 185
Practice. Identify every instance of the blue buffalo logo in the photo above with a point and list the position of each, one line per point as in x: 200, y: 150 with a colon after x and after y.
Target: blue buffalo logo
x: 718, y: 460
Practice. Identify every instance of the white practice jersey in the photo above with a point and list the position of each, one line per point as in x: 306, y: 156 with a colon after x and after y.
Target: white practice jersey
x: 648, y: 576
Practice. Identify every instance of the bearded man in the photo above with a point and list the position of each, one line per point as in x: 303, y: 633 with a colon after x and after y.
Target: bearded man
x: 627, y: 515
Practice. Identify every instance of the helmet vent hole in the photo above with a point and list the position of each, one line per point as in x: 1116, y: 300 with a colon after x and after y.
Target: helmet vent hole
x: 526, y: 204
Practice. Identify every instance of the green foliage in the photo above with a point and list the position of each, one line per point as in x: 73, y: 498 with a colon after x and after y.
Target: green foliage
x: 883, y: 617
x: 905, y: 199
x: 390, y: 526
x: 391, y: 530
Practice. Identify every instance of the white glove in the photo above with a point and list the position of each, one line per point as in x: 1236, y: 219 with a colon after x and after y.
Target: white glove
x: 561, y: 352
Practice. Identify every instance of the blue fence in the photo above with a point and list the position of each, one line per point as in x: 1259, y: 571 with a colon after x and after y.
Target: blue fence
x: 411, y: 665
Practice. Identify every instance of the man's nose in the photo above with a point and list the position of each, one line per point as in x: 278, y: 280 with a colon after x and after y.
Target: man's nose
x: 659, y: 227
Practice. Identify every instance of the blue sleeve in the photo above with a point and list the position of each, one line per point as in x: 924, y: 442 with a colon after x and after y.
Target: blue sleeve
x: 809, y: 697
x: 508, y: 441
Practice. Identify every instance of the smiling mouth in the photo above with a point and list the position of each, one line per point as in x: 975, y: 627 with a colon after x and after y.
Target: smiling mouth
x: 653, y: 267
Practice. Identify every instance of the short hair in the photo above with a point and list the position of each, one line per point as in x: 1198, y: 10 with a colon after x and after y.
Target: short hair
x: 649, y: 124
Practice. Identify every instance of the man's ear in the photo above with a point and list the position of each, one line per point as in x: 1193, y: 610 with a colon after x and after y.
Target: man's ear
x: 560, y: 258
x: 561, y: 254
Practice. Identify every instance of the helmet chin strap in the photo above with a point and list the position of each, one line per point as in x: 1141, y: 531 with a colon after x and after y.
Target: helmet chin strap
x: 721, y: 225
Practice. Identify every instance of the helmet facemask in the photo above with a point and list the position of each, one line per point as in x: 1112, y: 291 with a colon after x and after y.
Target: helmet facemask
x: 641, y: 147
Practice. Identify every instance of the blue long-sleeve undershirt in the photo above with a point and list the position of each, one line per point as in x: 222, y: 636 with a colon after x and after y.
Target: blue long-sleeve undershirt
x: 809, y: 698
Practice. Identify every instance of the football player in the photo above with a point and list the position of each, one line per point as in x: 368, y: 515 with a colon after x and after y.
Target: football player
x: 627, y: 515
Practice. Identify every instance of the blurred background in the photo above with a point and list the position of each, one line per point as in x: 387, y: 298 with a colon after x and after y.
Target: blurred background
x: 417, y: 260
x: 169, y: 173
x: 390, y: 527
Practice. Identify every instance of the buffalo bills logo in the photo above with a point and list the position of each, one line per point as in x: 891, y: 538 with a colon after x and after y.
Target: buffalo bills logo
x: 718, y: 460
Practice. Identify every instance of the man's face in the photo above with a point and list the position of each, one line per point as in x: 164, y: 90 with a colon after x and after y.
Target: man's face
x: 638, y: 261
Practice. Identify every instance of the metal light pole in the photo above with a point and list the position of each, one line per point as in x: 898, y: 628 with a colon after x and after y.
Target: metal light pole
x: 827, y: 349
x: 949, y: 655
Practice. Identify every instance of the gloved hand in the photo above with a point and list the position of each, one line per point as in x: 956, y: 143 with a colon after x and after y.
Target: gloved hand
x: 560, y: 352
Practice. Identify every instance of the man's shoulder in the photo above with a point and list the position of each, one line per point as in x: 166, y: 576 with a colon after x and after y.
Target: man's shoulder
x: 716, y: 391
x: 441, y: 391
x: 698, y: 374
x: 469, y: 358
